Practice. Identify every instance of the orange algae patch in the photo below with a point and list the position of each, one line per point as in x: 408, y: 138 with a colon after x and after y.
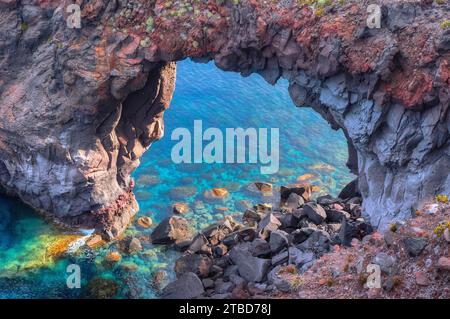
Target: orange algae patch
x: 60, y: 246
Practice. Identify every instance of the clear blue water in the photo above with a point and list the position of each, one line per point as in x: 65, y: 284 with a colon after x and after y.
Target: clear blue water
x: 219, y: 99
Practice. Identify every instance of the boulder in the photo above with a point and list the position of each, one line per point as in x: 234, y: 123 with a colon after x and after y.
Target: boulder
x: 318, y: 241
x: 208, y: 283
x: 354, y: 229
x: 298, y: 189
x: 231, y: 270
x: 275, y: 279
x: 197, y: 264
x: 327, y: 200
x: 298, y: 236
x: 222, y: 287
x: 260, y: 248
x: 294, y: 201
x: 268, y: 224
x: 302, y: 259
x: 216, y: 194
x: 251, y: 216
x: 414, y: 245
x: 336, y: 216
x: 197, y: 244
x: 280, y: 258
x: 350, y: 190
x: 170, y: 230
x: 288, y: 221
x: 159, y: 279
x: 134, y: 246
x: 386, y: 262
x: 278, y: 240
x: 315, y: 213
x: 145, y: 222
x: 252, y: 269
x: 265, y: 189
x: 245, y: 234
x: 187, y: 286
x: 237, y: 280
x: 220, y: 250
x: 180, y: 208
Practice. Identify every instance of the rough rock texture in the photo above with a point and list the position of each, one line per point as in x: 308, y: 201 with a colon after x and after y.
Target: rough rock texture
x: 80, y: 106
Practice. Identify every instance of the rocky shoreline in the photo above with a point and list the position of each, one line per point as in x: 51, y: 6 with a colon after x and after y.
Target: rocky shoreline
x: 309, y: 248
x: 234, y: 258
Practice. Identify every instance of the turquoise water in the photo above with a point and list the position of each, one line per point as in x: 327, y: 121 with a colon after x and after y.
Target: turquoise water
x: 219, y: 99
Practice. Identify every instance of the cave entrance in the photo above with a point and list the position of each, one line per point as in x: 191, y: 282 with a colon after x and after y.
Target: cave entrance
x: 310, y: 150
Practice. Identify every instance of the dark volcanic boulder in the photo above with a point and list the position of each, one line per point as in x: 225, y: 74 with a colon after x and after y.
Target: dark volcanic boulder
x: 315, y: 213
x: 353, y: 229
x: 188, y: 286
x: 170, y: 230
x: 197, y: 264
x: 252, y: 269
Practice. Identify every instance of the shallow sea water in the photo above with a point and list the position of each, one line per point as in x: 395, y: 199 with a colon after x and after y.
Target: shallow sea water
x: 220, y: 99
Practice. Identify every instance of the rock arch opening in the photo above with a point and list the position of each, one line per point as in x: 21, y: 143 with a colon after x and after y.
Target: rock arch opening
x: 310, y: 152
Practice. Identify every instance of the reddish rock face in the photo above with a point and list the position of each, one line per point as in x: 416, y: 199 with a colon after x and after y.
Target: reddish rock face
x: 80, y: 106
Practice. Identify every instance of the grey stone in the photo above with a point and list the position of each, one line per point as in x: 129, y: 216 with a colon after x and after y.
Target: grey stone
x: 170, y: 230
x: 260, y: 248
x: 414, y: 245
x: 318, y: 241
x: 274, y: 279
x: 315, y: 213
x: 237, y: 280
x: 268, y: 224
x: 134, y: 246
x: 188, y: 286
x: 222, y: 287
x: 231, y: 270
x: 303, y: 260
x: 336, y: 216
x: 278, y: 241
x: 280, y: 258
x: 288, y: 221
x: 201, y: 265
x: 386, y: 262
x: 208, y: 283
x: 294, y: 201
x: 298, y: 236
x: 250, y: 268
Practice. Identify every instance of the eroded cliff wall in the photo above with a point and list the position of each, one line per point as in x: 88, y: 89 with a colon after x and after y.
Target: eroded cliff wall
x: 80, y: 106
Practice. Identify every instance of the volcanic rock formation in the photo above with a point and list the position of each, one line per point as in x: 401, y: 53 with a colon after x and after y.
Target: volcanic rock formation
x: 79, y: 106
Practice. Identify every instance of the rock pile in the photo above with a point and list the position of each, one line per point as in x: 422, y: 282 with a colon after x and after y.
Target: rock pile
x: 235, y: 259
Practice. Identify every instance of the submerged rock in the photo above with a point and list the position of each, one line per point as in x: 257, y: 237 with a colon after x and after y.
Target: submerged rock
x: 102, y: 288
x: 216, y: 194
x: 180, y: 208
x: 145, y: 222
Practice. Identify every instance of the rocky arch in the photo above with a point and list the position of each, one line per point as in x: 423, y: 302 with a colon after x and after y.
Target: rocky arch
x: 80, y: 106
